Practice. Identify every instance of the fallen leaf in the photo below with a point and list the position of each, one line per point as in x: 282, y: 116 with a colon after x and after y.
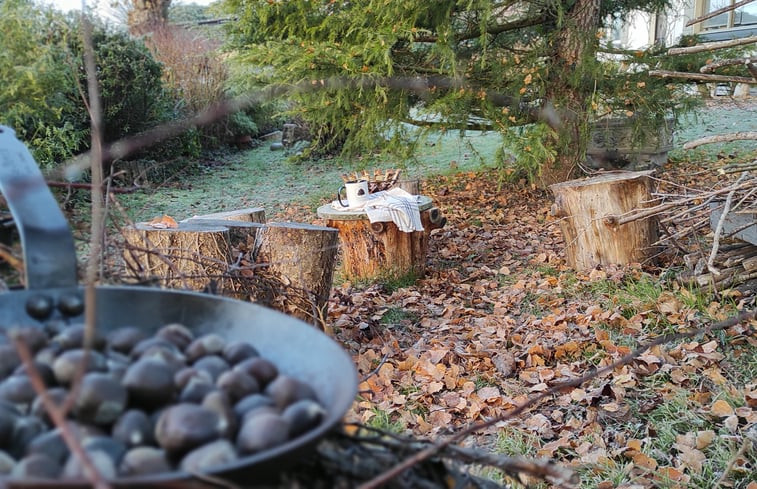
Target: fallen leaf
x: 721, y: 408
x: 634, y: 444
x: 163, y: 222
x: 644, y: 461
x: 488, y: 393
x: 704, y: 438
x: 732, y: 423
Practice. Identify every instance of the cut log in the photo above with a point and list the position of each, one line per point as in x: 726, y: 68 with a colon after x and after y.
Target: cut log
x: 590, y: 210
x: 380, y: 249
x: 303, y: 257
x: 187, y: 257
x: 286, y: 266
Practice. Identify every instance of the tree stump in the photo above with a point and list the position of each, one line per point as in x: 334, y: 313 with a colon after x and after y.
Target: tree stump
x: 286, y: 266
x: 187, y: 257
x: 380, y: 249
x: 303, y: 257
x: 589, y: 210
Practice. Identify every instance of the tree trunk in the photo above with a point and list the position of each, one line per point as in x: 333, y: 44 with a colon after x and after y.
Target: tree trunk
x: 303, y: 257
x: 147, y: 16
x: 187, y: 257
x: 574, y: 48
x: 588, y: 209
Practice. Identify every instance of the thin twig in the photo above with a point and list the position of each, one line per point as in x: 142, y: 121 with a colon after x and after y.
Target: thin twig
x: 719, y: 227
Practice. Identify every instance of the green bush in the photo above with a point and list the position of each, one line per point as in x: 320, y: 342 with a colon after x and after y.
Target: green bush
x: 39, y: 96
x: 131, y: 91
x: 42, y: 74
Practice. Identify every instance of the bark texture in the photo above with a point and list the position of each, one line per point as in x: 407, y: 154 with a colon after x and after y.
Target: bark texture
x: 381, y: 249
x: 187, y: 257
x: 303, y: 256
x: 588, y: 209
x: 574, y: 45
x: 147, y: 16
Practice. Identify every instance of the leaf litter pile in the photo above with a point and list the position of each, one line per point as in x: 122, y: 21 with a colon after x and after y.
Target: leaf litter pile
x: 499, y: 318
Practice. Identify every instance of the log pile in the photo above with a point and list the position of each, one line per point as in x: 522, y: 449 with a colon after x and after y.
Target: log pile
x: 734, y: 265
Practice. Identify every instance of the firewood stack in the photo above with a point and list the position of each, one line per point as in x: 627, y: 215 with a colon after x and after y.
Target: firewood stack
x: 734, y: 265
x: 378, y: 180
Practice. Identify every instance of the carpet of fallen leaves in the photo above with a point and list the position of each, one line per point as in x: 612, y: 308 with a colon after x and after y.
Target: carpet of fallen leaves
x: 499, y: 317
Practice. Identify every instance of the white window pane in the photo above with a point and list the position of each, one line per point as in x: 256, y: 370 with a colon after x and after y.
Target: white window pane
x: 746, y: 15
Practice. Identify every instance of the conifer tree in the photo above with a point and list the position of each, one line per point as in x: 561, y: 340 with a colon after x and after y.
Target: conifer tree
x: 526, y: 68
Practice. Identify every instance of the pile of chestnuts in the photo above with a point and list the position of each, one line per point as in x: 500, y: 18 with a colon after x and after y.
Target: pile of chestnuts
x: 144, y: 404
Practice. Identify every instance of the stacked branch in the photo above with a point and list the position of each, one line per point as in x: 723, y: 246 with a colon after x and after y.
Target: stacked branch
x: 727, y: 260
x: 734, y: 266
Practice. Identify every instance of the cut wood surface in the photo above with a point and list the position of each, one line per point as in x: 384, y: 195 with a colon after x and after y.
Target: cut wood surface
x: 589, y: 210
x: 251, y: 214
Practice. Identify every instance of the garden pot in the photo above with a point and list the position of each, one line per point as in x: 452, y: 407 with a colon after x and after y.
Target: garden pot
x: 621, y: 143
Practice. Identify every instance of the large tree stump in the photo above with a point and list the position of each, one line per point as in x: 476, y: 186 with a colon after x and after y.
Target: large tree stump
x: 589, y: 209
x: 286, y: 266
x: 381, y: 249
x: 187, y: 257
x: 303, y: 257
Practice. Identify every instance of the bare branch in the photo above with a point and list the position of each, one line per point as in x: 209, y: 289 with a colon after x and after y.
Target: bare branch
x: 710, y: 67
x: 444, y: 443
x: 419, y: 85
x: 57, y: 415
x: 719, y: 227
x: 711, y: 46
x: 722, y: 138
x: 702, y: 77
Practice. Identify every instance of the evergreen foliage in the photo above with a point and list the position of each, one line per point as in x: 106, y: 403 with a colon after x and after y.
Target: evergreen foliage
x: 481, y: 64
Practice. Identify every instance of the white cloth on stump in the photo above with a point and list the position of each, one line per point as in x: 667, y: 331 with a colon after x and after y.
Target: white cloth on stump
x: 395, y: 205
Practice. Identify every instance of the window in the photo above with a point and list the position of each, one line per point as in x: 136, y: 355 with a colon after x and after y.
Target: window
x: 742, y: 16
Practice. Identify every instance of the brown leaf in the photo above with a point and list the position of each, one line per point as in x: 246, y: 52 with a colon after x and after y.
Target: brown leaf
x: 721, y: 408
x: 644, y: 461
x: 704, y: 438
x: 690, y: 458
x: 541, y: 425
x: 504, y: 362
x: 488, y: 393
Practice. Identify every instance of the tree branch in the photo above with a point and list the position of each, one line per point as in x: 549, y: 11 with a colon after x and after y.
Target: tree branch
x: 493, y: 30
x: 711, y: 46
x: 722, y: 138
x: 702, y: 77
x: 710, y: 67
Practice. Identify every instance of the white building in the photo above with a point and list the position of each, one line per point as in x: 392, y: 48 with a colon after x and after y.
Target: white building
x: 640, y: 30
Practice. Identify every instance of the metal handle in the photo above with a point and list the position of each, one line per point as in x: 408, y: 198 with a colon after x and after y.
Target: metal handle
x: 49, y: 253
x: 339, y: 197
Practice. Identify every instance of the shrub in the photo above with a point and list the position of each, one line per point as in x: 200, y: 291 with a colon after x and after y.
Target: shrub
x: 131, y: 90
x: 39, y: 98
